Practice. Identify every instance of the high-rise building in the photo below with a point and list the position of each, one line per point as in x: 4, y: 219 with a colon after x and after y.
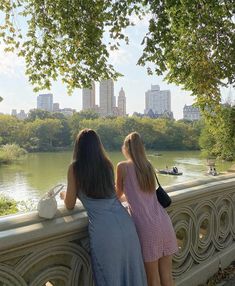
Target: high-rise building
x: 159, y: 101
x: 191, y: 112
x: 22, y: 115
x: 56, y: 107
x: 106, y: 97
x: 67, y: 111
x: 88, y: 97
x: 114, y: 101
x: 122, y: 102
x: 45, y: 102
x: 14, y: 112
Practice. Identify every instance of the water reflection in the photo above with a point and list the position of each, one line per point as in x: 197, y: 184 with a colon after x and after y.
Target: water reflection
x: 30, y: 177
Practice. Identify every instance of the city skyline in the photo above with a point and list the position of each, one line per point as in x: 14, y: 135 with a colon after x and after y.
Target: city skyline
x: 109, y: 104
x: 229, y: 97
x: 18, y: 94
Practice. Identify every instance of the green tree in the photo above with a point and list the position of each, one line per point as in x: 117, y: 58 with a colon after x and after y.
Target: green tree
x: 38, y: 114
x: 207, y: 142
x: 63, y: 136
x: 43, y: 132
x: 218, y: 139
x: 10, y: 128
x: 65, y: 38
x: 158, y: 134
x: 86, y: 114
x: 191, y: 42
x: 77, y: 117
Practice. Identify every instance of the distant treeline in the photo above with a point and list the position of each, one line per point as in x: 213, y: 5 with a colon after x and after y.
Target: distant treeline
x: 44, y: 131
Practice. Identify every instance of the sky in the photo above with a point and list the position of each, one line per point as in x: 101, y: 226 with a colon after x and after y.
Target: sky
x: 18, y: 93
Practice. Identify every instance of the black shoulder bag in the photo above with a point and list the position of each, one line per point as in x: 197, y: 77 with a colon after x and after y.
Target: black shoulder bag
x: 162, y: 196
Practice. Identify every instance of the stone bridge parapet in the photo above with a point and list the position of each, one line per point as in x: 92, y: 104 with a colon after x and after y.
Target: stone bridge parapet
x: 35, y: 251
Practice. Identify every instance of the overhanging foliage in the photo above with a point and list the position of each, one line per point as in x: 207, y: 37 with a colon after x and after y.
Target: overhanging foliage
x: 192, y: 42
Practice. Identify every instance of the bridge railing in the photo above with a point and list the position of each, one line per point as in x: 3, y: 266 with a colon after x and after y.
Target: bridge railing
x: 203, y: 215
x: 37, y: 252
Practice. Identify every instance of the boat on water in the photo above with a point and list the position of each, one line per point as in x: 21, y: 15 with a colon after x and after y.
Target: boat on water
x: 169, y: 172
x: 212, y: 174
x: 157, y: 154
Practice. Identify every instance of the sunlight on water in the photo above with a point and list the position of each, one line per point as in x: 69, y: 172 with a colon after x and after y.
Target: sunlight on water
x: 28, y: 179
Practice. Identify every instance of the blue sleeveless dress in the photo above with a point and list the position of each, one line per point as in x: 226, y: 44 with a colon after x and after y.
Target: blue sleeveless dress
x: 114, y: 244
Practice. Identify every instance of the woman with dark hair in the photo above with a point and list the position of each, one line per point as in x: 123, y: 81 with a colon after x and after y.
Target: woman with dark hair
x: 114, y: 245
x: 136, y: 179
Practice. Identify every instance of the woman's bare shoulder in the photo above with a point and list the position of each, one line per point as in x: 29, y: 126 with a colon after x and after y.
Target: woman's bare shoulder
x: 71, y: 167
x: 122, y: 164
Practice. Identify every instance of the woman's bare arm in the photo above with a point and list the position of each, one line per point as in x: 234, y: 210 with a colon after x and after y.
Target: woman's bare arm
x: 70, y: 195
x: 120, y: 175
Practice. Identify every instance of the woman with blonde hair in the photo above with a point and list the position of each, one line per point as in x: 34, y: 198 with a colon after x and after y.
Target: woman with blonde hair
x: 136, y: 180
x: 114, y: 245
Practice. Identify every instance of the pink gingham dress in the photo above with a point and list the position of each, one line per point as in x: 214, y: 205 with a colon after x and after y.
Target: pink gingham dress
x: 153, y: 224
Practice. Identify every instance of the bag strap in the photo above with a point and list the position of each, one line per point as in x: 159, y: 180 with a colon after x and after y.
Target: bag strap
x: 51, y: 191
x: 157, y: 180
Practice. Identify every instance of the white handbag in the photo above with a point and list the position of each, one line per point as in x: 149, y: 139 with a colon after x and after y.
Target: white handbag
x: 47, y: 205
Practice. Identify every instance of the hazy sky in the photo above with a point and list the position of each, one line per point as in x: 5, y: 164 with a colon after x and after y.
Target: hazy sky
x: 18, y: 93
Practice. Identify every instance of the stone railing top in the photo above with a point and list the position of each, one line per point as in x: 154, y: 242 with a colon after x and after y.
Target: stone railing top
x: 20, y: 229
x: 17, y: 230
x: 202, y: 188
x: 199, y: 182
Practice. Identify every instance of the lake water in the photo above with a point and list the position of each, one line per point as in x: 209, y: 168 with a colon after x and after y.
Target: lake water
x: 29, y: 178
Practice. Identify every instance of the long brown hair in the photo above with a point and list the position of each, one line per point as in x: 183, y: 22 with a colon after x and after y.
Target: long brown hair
x: 93, y: 170
x: 145, y: 172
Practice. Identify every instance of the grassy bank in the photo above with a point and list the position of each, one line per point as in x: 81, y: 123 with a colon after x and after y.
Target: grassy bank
x: 10, y: 152
x: 7, y: 206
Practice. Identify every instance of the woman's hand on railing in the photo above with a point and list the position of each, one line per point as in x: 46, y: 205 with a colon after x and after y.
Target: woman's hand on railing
x: 62, y: 195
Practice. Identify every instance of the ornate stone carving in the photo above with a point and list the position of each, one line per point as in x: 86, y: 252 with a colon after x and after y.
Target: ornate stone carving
x: 61, y: 260
x: 37, y: 252
x: 61, y: 264
x: 204, y: 224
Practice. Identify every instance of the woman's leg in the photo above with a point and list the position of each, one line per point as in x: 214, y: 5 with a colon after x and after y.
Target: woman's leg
x: 152, y: 273
x: 165, y: 270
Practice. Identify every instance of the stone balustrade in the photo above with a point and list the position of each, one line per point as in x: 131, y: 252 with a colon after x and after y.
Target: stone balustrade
x: 203, y: 215
x: 37, y: 252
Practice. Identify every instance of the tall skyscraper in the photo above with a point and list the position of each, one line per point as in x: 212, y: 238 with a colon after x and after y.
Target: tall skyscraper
x: 122, y: 103
x: 56, y: 107
x: 159, y: 101
x: 45, y: 102
x: 106, y: 97
x: 88, y: 97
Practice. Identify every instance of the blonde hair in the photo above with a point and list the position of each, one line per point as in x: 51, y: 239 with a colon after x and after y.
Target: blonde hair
x: 145, y: 172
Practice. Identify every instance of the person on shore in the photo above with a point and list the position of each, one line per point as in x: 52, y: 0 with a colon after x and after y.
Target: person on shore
x: 136, y: 181
x: 114, y: 244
